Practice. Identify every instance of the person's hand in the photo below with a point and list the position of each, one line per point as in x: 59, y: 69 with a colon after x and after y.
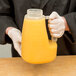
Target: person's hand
x: 16, y: 37
x: 56, y: 25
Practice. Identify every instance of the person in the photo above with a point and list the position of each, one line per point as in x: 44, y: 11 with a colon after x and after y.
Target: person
x: 62, y: 20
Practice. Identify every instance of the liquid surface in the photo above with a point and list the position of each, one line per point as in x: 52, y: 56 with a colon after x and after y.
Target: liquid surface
x: 36, y: 48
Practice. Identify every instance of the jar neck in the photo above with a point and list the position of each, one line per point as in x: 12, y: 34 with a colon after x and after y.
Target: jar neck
x: 34, y: 14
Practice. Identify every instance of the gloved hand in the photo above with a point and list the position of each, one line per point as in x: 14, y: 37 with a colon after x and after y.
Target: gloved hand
x: 56, y: 25
x: 16, y: 37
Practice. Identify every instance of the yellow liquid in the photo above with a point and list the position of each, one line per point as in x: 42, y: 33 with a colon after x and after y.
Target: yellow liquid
x: 36, y: 48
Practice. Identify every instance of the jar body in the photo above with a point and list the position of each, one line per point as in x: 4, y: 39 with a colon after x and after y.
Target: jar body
x: 36, y: 48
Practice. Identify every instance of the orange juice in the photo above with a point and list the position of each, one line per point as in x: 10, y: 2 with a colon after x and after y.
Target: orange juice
x: 36, y: 48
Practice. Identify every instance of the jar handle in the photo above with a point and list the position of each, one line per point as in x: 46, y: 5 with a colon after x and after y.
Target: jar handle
x: 53, y: 38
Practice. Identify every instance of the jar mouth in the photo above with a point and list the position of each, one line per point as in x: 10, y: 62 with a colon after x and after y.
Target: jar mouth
x: 34, y: 13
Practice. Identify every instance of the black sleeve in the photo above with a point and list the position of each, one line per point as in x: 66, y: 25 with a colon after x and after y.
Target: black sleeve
x: 71, y: 20
x: 6, y: 20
